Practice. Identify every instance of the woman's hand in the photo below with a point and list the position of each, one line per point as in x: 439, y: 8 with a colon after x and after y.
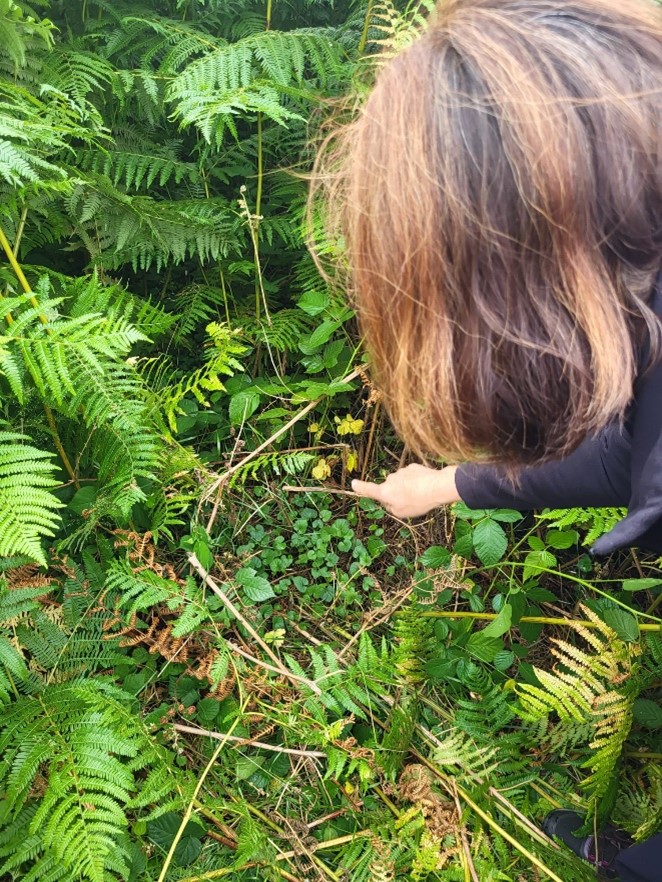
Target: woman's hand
x: 412, y: 491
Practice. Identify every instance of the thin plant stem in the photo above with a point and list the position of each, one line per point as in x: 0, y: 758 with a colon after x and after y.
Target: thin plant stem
x: 260, y: 663
x: 260, y: 167
x: 489, y: 820
x: 253, y: 221
x: 287, y: 488
x: 470, y: 874
x: 537, y: 620
x: 321, y: 846
x: 363, y: 42
x: 654, y: 605
x: 524, y: 822
x: 284, y: 856
x: 246, y: 742
x: 590, y: 586
x: 228, y: 832
x: 21, y: 228
x: 20, y: 275
x: 66, y: 462
x: 191, y: 805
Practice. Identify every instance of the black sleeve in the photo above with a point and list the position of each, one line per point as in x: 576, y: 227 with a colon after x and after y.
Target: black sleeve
x: 643, y: 524
x: 596, y: 474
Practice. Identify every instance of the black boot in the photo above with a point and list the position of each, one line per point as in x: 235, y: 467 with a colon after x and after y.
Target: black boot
x: 601, y: 851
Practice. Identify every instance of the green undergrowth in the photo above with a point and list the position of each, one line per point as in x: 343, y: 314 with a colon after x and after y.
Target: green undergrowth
x: 388, y: 712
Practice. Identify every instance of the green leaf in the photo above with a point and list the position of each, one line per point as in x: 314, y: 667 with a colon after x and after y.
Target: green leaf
x: 256, y: 588
x: 501, y: 624
x: 313, y: 302
x: 319, y: 336
x: 188, y: 850
x: 243, y: 405
x: 623, y: 622
x: 436, y: 557
x: 464, y: 545
x: 247, y: 766
x: 311, y: 390
x: 162, y: 831
x: 490, y: 542
x: 504, y: 660
x: 461, y: 510
x: 506, y: 515
x: 562, y: 539
x: 641, y: 584
x: 84, y: 499
x: 648, y: 713
x: 207, y: 710
x: 484, y: 647
x: 536, y: 562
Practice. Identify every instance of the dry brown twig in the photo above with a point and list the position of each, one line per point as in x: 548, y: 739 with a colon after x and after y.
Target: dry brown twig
x: 246, y: 742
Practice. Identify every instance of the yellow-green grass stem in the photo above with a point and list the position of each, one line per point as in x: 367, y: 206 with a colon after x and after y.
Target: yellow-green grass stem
x: 535, y: 620
x: 20, y: 275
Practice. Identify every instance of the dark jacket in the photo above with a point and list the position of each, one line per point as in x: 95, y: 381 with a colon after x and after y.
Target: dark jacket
x: 617, y: 467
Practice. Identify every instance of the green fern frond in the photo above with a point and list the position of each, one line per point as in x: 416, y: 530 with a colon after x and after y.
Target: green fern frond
x: 20, y: 28
x: 462, y: 758
x: 596, y: 688
x: 397, y: 738
x: 283, y: 333
x: 152, y: 41
x: 145, y: 232
x: 80, y: 74
x: 281, y: 463
x: 222, y: 360
x: 35, y: 133
x: 639, y: 805
x: 415, y: 644
x: 27, y: 507
x: 135, y: 169
x: 594, y: 522
x: 488, y: 711
x: 138, y: 591
x: 91, y: 751
x: 197, y: 305
x: 250, y: 76
x: 88, y: 295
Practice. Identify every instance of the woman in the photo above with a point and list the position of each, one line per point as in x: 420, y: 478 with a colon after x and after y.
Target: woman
x: 500, y: 201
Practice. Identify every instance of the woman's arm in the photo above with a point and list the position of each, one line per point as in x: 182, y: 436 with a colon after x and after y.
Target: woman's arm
x: 597, y: 473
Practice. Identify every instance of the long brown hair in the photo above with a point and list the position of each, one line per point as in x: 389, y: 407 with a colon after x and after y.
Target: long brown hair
x: 499, y: 200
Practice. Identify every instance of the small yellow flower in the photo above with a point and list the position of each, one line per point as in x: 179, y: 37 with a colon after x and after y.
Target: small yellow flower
x: 349, y: 426
x: 314, y: 428
x: 275, y: 638
x: 352, y: 461
x: 322, y: 470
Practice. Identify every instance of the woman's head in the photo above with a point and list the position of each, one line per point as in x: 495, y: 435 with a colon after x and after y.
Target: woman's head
x: 500, y: 199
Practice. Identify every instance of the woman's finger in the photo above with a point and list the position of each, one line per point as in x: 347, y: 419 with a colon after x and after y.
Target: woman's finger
x: 368, y: 489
